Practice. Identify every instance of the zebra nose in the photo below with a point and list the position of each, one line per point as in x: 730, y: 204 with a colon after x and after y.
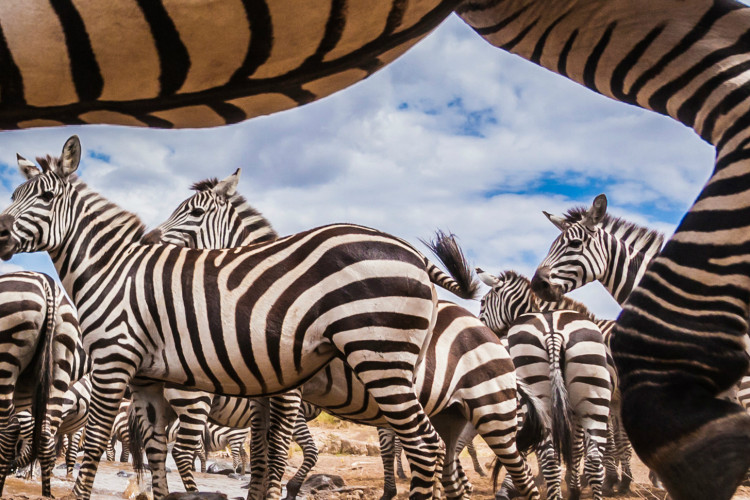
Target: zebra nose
x: 6, y: 224
x: 540, y: 284
x: 152, y: 238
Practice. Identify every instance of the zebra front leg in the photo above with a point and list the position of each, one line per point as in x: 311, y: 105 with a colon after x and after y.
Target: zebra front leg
x: 71, y: 454
x: 108, y: 389
x: 284, y: 410
x: 305, y: 440
x: 150, y: 412
x: 259, y: 423
x: 192, y: 424
x: 387, y: 440
x: 475, y: 460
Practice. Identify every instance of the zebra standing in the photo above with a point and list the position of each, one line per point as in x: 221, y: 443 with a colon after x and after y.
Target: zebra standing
x: 120, y: 433
x: 314, y: 287
x: 561, y: 354
x: 216, y: 215
x: 42, y: 356
x: 218, y: 438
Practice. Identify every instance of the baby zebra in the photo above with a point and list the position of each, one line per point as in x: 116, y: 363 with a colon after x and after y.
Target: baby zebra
x: 562, y: 356
x: 42, y: 354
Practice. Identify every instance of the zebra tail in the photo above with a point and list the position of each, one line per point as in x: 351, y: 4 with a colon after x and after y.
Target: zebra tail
x: 562, y: 414
x: 536, y: 424
x: 461, y: 280
x: 136, y: 443
x: 42, y: 370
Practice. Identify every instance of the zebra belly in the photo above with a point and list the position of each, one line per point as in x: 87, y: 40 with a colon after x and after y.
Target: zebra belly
x: 216, y: 62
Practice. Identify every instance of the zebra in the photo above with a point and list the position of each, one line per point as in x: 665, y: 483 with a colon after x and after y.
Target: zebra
x: 216, y: 216
x: 561, y: 354
x: 682, y: 59
x: 42, y: 354
x: 113, y: 277
x: 120, y: 433
x: 217, y: 438
x: 469, y: 448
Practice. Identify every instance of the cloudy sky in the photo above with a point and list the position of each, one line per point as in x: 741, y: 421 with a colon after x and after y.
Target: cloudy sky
x: 456, y: 135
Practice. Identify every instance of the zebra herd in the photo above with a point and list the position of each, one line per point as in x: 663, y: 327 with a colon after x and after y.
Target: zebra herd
x: 264, y: 319
x: 212, y: 306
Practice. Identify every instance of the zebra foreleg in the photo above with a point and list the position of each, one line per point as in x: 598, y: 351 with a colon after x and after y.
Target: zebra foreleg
x: 259, y: 423
x: 387, y: 440
x: 71, y: 454
x: 192, y: 424
x: 150, y: 410
x: 284, y: 409
x: 305, y: 440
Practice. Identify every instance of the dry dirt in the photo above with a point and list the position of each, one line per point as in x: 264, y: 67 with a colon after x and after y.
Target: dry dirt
x: 364, y: 472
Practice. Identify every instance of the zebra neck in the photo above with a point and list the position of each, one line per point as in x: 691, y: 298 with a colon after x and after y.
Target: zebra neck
x: 624, y: 270
x: 253, y: 227
x: 100, y: 236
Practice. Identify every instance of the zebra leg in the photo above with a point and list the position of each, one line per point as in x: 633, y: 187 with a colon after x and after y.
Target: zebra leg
x: 624, y: 452
x: 237, y: 445
x: 396, y: 397
x: 397, y: 451
x: 549, y: 464
x: 111, y: 449
x: 8, y: 437
x: 475, y: 460
x: 107, y: 390
x: 259, y: 423
x: 284, y: 410
x: 572, y: 475
x: 71, y: 455
x: 150, y: 410
x: 593, y: 466
x: 610, y: 458
x: 192, y: 410
x: 305, y: 440
x: 387, y: 439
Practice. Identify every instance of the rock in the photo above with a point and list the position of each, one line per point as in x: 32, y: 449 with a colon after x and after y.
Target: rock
x: 123, y: 473
x: 335, y: 445
x: 222, y: 468
x: 322, y: 482
x: 239, y: 477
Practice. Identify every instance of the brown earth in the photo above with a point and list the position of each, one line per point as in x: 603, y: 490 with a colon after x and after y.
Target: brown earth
x: 361, y: 471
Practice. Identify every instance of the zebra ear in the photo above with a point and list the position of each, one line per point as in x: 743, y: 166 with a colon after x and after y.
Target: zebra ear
x: 28, y: 169
x: 71, y: 157
x: 486, y: 277
x: 559, y: 222
x: 596, y: 213
x: 228, y: 186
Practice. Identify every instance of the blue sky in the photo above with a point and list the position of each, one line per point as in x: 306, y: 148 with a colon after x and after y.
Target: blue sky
x: 456, y: 134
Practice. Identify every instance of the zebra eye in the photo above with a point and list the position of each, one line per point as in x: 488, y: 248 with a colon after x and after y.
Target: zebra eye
x: 47, y: 196
x: 197, y: 212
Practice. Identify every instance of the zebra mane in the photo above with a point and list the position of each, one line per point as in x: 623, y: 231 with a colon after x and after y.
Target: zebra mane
x: 46, y: 162
x: 544, y: 306
x: 101, y: 204
x: 249, y: 214
x: 649, y: 239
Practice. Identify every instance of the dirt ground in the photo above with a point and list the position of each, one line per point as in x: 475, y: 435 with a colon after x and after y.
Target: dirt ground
x: 115, y: 480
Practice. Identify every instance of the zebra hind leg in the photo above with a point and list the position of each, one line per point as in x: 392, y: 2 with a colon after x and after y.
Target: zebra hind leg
x: 149, y: 412
x: 284, y: 409
x: 8, y: 438
x: 387, y: 440
x: 397, y: 452
x: 71, y: 454
x: 611, y: 457
x: 475, y: 460
x: 305, y: 441
x: 572, y: 477
x: 259, y: 423
x: 594, y: 466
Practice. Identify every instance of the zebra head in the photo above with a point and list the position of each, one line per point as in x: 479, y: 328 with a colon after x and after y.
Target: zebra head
x: 578, y: 256
x: 208, y: 219
x: 39, y: 215
x: 510, y: 296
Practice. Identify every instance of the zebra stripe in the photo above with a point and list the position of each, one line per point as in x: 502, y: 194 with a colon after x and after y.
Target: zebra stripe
x: 42, y: 354
x: 200, y: 309
x: 336, y: 388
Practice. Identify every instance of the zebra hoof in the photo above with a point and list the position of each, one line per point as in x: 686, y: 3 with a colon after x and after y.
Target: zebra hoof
x: 292, y: 488
x: 608, y: 487
x: 709, y: 462
x: 574, y: 494
x: 624, y: 486
x: 389, y: 494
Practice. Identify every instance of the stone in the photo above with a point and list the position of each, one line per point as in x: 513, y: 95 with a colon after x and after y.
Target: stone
x: 322, y: 482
